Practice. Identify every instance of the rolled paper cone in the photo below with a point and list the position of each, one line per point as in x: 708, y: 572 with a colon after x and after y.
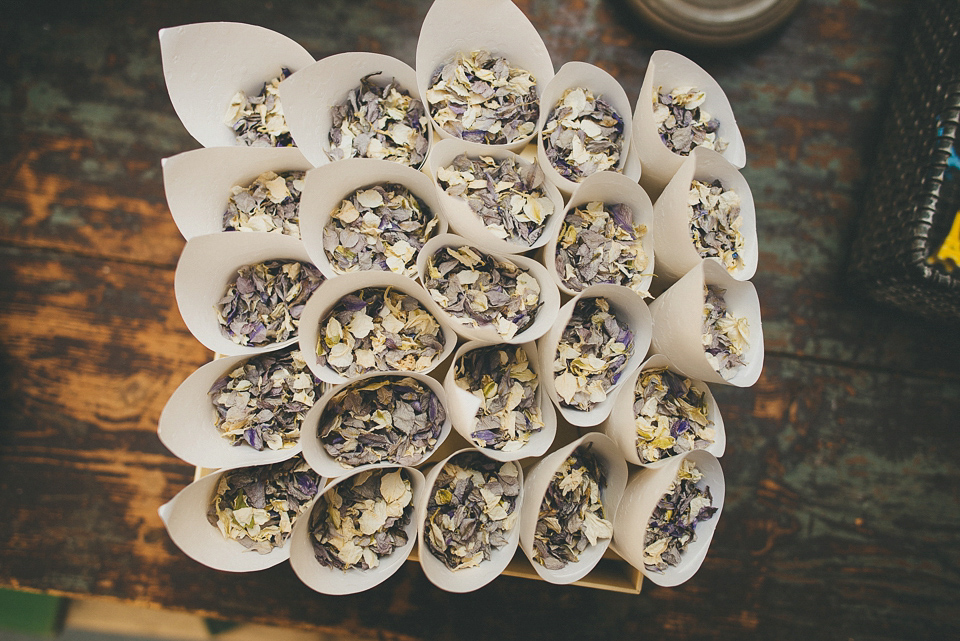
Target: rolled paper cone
x: 497, y: 26
x: 198, y: 183
x: 473, y: 578
x: 604, y: 87
x: 327, y: 580
x: 678, y: 323
x: 644, y: 490
x: 465, y: 221
x: 328, y: 186
x: 669, y: 70
x: 208, y: 265
x: 549, y: 294
x: 185, y: 517
x: 676, y: 252
x: 463, y: 407
x: 326, y: 297
x: 609, y: 188
x: 631, y: 311
x: 621, y: 425
x: 538, y: 479
x: 309, y: 95
x: 188, y: 425
x: 318, y: 457
x: 205, y: 64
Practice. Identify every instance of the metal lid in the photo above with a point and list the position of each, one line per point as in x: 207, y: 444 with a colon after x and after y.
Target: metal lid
x: 715, y: 22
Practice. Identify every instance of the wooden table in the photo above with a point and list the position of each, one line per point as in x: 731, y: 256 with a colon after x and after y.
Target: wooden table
x: 841, y: 517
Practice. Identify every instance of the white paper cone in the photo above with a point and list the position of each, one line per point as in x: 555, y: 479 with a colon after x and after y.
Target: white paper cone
x: 535, y: 486
x: 205, y: 64
x: 326, y: 297
x: 643, y: 492
x: 676, y: 253
x: 678, y: 323
x: 621, y: 427
x: 326, y: 187
x: 610, y: 188
x: 188, y: 424
x: 631, y: 311
x: 185, y: 517
x: 463, y: 407
x: 670, y: 70
x: 333, y: 581
x: 468, y: 224
x: 198, y: 183
x: 465, y: 579
x: 316, y: 455
x: 603, y: 86
x: 209, y: 264
x: 309, y: 95
x: 549, y: 294
x: 497, y: 26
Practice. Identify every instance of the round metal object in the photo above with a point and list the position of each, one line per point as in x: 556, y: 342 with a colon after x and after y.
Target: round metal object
x: 715, y: 22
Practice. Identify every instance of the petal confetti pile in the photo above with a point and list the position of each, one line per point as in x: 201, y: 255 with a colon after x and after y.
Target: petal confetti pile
x: 725, y: 337
x: 378, y: 227
x: 583, y: 135
x: 599, y: 243
x: 507, y: 195
x: 257, y: 506
x: 673, y: 524
x: 471, y: 510
x: 506, y: 386
x: 259, y: 121
x: 683, y: 124
x: 362, y: 520
x: 715, y: 222
x: 481, y: 98
x: 572, y: 516
x: 270, y: 203
x: 263, y: 305
x: 382, y: 420
x: 382, y: 122
x: 378, y: 329
x: 671, y: 415
x: 263, y: 400
x: 480, y: 290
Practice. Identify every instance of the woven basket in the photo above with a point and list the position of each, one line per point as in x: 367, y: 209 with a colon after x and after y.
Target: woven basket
x: 910, y: 201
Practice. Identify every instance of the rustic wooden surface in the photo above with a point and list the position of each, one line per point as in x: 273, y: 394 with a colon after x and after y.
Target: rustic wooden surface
x: 841, y: 519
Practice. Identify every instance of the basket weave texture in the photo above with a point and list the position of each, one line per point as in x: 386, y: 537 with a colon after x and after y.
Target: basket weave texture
x: 909, y: 205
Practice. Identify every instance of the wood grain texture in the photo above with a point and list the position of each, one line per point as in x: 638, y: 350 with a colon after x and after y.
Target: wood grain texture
x: 842, y: 513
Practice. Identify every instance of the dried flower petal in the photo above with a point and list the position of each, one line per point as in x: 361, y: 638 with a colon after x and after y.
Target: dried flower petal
x: 673, y: 523
x: 571, y: 515
x: 471, y: 510
x: 382, y: 122
x: 263, y: 400
x: 681, y: 122
x: 508, y: 196
x: 383, y: 419
x: 263, y: 305
x: 507, y: 388
x: 725, y: 337
x: 671, y: 415
x: 378, y: 329
x: 591, y: 355
x: 257, y: 506
x: 362, y: 519
x: 715, y: 222
x: 481, y: 98
x: 583, y: 135
x: 259, y: 121
x: 479, y: 290
x: 378, y: 227
x: 271, y: 203
x: 599, y: 243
